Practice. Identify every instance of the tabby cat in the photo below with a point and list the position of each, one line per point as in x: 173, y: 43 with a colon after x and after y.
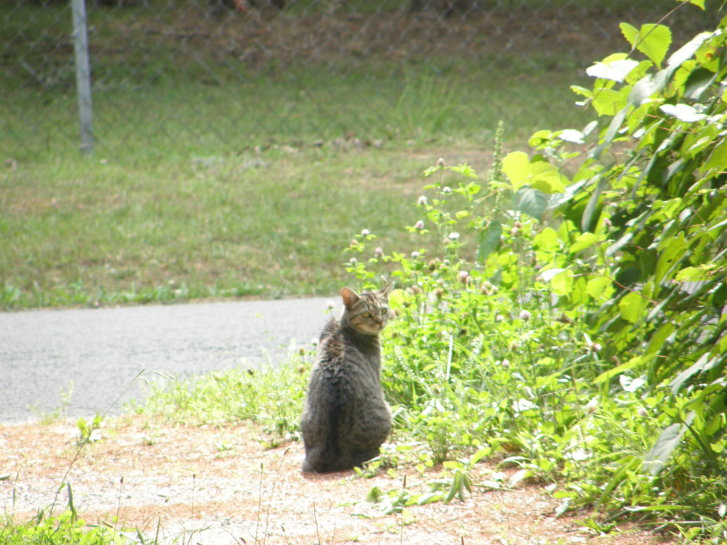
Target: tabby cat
x: 345, y: 419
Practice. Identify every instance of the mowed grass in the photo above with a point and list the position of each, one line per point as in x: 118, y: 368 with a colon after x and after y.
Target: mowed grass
x: 247, y: 187
x: 179, y: 201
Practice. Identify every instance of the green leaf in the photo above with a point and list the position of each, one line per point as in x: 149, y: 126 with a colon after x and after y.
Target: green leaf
x: 599, y: 288
x: 685, y: 52
x: 698, y: 82
x: 717, y: 159
x: 608, y: 375
x: 683, y: 112
x: 516, y: 166
x: 532, y: 202
x: 652, y: 40
x: 631, y: 307
x: 608, y: 101
x: 672, y: 252
x: 562, y: 283
x: 693, y: 274
x: 668, y: 440
x: 703, y: 364
x: 546, y: 178
x: 489, y: 240
x: 547, y: 240
x: 538, y: 174
x: 616, y: 70
x: 698, y: 3
x: 583, y: 242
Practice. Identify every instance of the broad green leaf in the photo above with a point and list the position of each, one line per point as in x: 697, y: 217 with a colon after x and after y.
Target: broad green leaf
x: 672, y: 250
x: 686, y: 52
x: 691, y: 274
x: 547, y: 240
x: 667, y: 441
x: 614, y: 71
x: 659, y: 338
x: 546, y: 178
x: 702, y: 364
x: 539, y: 137
x: 695, y: 142
x: 532, y: 202
x: 717, y: 159
x: 600, y: 288
x: 577, y: 89
x: 652, y: 40
x: 583, y: 242
x: 572, y: 135
x: 698, y: 82
x: 562, y: 283
x: 683, y: 112
x: 632, y: 307
x: 641, y: 91
x: 538, y: 174
x: 516, y: 166
x: 608, y: 101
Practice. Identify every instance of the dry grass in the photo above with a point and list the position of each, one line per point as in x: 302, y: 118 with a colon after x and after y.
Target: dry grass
x: 218, y: 486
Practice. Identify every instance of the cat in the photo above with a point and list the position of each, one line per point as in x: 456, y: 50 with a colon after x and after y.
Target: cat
x: 346, y: 419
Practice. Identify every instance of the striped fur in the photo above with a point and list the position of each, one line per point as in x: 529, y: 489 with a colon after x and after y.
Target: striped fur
x: 346, y: 419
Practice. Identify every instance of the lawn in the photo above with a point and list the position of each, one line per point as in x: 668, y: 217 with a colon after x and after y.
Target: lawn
x: 250, y: 188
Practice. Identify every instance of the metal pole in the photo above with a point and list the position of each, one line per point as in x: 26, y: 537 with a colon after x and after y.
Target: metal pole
x: 83, y: 74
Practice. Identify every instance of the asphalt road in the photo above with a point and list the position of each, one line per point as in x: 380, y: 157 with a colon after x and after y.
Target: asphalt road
x: 95, y: 354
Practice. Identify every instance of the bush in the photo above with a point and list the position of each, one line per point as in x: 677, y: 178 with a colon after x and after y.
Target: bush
x: 567, y: 311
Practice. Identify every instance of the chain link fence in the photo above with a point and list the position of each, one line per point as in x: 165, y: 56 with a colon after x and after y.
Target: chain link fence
x: 246, y: 72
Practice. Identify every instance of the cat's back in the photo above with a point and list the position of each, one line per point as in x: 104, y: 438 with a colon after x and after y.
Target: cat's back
x: 330, y: 374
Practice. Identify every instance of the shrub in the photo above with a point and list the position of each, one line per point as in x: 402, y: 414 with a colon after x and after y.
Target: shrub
x: 567, y: 311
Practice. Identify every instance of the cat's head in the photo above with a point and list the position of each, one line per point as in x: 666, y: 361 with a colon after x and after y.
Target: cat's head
x: 366, y: 313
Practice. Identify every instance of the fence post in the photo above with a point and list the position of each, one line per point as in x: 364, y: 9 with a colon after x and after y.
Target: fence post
x: 83, y: 74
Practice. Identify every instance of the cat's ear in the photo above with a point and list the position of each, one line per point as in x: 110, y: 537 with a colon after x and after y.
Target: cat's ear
x: 386, y: 289
x: 350, y: 298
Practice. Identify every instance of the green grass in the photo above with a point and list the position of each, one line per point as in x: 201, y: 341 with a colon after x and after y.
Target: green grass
x: 208, y: 191
x: 218, y: 177
x: 214, y: 177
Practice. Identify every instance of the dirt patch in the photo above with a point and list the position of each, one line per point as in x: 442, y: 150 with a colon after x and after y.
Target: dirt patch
x: 219, y: 486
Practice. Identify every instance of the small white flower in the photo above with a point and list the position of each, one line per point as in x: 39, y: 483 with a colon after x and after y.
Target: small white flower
x: 314, y: 342
x: 525, y: 315
x: 591, y: 406
x: 642, y: 412
x: 415, y: 254
x: 505, y: 363
x: 422, y: 201
x: 365, y: 233
x: 453, y: 236
x: 353, y: 261
x: 378, y: 252
x: 446, y: 190
x: 440, y: 162
x: 419, y: 225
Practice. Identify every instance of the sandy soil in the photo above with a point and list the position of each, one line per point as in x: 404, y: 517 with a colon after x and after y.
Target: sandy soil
x: 219, y: 486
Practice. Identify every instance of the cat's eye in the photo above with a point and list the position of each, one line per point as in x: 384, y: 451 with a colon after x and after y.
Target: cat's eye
x: 384, y: 310
x: 366, y: 314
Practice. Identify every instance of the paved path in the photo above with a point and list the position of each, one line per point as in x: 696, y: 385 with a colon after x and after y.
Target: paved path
x: 97, y: 353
